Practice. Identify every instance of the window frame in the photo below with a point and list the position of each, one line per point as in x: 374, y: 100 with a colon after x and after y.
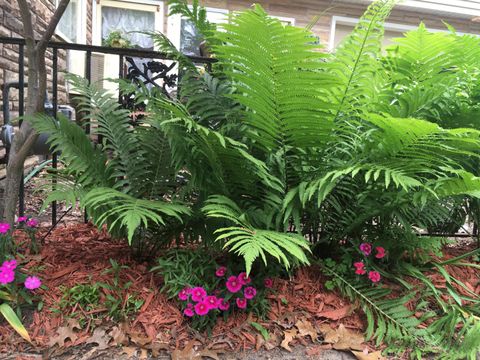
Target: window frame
x: 350, y: 21
x: 174, y: 30
x: 157, y: 7
x: 80, y: 26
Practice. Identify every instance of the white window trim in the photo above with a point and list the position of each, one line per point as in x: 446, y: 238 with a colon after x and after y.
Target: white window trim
x: 343, y: 20
x: 175, y: 22
x: 81, y: 25
x: 143, y: 5
x: 291, y: 20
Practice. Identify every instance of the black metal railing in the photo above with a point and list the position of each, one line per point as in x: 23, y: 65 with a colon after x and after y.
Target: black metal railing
x: 156, y: 63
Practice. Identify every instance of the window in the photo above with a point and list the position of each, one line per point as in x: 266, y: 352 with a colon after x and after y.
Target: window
x: 185, y: 37
x: 285, y: 20
x: 72, y: 25
x: 128, y: 17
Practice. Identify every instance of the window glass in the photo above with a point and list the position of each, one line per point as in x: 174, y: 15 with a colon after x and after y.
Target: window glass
x: 127, y: 21
x: 190, y: 39
x: 69, y: 21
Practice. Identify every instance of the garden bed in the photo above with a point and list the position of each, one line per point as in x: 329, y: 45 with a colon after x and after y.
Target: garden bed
x: 301, y: 312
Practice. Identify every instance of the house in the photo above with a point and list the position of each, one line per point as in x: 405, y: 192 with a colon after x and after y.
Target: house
x: 91, y: 21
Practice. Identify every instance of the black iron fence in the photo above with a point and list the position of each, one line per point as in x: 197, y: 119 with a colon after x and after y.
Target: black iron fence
x: 152, y: 68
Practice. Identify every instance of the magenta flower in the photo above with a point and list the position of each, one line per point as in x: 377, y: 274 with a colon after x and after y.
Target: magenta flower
x: 183, y: 294
x: 6, y: 276
x: 380, y: 252
x: 268, y: 283
x: 32, y: 223
x: 223, y: 304
x: 32, y: 283
x: 22, y: 219
x: 202, y: 308
x: 366, y: 248
x: 9, y: 265
x: 221, y: 271
x: 198, y: 293
x: 212, y: 302
x: 250, y: 292
x: 241, y: 303
x: 374, y: 276
x: 233, y: 284
x: 4, y: 227
x: 188, y: 312
x: 360, y: 268
x: 243, y: 278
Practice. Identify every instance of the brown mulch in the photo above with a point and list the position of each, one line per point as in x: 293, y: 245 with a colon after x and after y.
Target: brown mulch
x: 79, y: 254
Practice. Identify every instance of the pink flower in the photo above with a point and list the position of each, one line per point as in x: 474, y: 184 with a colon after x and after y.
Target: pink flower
x: 198, y: 293
x: 268, y: 283
x: 188, y: 312
x: 4, y: 227
x: 32, y: 223
x: 6, y: 276
x: 221, y: 271
x: 380, y: 252
x: 223, y: 304
x: 243, y: 278
x: 183, y: 294
x: 249, y: 292
x: 189, y: 306
x: 366, y: 248
x: 360, y: 268
x: 32, y: 283
x: 233, y: 284
x: 212, y: 302
x: 202, y: 308
x: 241, y: 303
x: 9, y: 265
x: 374, y: 276
x: 22, y: 219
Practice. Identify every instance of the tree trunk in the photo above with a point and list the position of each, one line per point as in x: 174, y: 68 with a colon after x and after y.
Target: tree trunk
x: 37, y: 85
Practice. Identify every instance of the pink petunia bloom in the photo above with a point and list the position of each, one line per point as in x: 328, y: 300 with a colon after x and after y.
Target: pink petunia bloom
x: 32, y: 223
x: 6, y: 276
x: 9, y: 265
x: 366, y: 248
x: 221, y: 271
x: 268, y: 283
x: 189, y: 306
x: 243, y: 278
x: 32, y: 283
x: 250, y: 292
x: 233, y: 284
x: 4, y: 227
x: 212, y: 302
x: 183, y: 294
x: 223, y: 304
x: 241, y: 303
x: 202, y: 308
x: 374, y: 276
x: 380, y: 252
x: 22, y: 219
x: 198, y: 293
x: 188, y: 312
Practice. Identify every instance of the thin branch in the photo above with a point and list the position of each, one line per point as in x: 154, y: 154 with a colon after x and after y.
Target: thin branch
x: 47, y: 35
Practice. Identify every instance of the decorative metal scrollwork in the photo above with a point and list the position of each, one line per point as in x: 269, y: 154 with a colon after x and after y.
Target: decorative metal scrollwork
x: 149, y: 73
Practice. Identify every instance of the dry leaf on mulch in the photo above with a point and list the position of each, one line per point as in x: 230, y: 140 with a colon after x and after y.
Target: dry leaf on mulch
x: 190, y: 353
x: 360, y: 355
x: 342, y: 338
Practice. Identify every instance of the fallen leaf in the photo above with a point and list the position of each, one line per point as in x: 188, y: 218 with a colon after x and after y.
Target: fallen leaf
x: 330, y: 336
x: 119, y: 336
x: 348, y: 340
x: 155, y: 347
x: 130, y: 351
x: 260, y: 342
x: 336, y: 314
x: 288, y: 336
x: 143, y: 354
x: 63, y: 333
x: 189, y: 353
x: 305, y: 328
x: 360, y: 355
x: 316, y: 350
x: 100, y: 338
